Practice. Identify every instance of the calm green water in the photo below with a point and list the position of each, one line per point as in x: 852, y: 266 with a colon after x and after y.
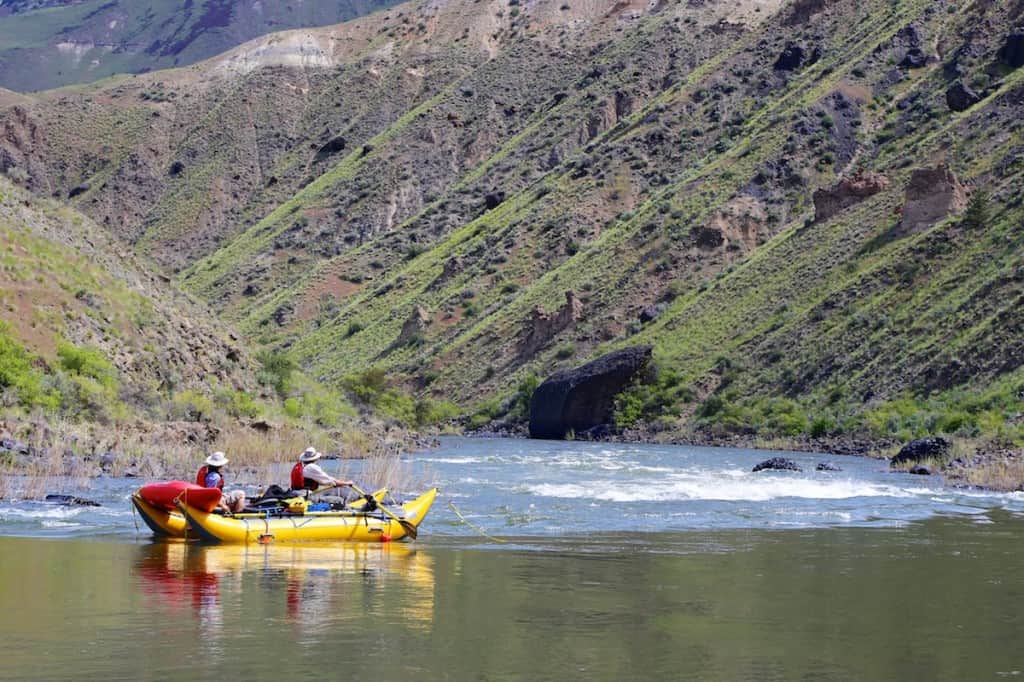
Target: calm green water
x: 939, y: 599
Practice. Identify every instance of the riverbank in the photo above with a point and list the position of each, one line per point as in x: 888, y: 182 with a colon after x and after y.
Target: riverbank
x: 38, y: 451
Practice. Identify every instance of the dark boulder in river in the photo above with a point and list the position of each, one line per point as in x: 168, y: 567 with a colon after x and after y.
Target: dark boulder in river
x: 582, y: 398
x: 935, y: 448
x: 827, y: 466
x: 777, y: 464
x: 71, y: 501
x: 920, y: 470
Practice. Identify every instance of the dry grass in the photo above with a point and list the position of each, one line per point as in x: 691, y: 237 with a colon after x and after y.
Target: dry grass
x: 1002, y: 474
x: 385, y: 468
x: 53, y: 470
x: 162, y: 451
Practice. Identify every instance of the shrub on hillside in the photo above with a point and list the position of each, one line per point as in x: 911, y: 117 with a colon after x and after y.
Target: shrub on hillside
x: 657, y: 400
x: 238, y: 403
x: 192, y: 406
x: 276, y: 370
x: 92, y: 387
x: 20, y: 382
x: 524, y: 394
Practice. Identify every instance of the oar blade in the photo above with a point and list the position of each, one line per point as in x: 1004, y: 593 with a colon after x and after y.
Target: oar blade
x: 410, y: 529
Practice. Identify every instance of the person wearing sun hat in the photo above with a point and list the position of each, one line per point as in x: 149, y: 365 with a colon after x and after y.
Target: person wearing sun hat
x: 307, y: 475
x: 210, y: 476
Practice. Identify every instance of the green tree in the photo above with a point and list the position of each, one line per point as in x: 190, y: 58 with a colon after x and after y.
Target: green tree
x: 977, y: 214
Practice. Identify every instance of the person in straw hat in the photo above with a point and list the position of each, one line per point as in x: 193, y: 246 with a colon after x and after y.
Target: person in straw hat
x: 210, y: 476
x: 307, y: 475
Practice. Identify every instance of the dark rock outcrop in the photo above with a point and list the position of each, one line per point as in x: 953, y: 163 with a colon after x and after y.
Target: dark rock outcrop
x: 283, y: 314
x: 792, y: 58
x: 650, y: 313
x: 827, y: 466
x: 329, y: 148
x: 1012, y: 52
x: 915, y: 58
x: 777, y: 464
x: 828, y: 201
x: 960, y: 97
x: 909, y: 42
x: 934, y: 448
x: 583, y: 398
x: 493, y: 199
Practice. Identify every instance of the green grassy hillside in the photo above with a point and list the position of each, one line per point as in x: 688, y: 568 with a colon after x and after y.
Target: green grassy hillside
x: 88, y: 332
x: 476, y: 195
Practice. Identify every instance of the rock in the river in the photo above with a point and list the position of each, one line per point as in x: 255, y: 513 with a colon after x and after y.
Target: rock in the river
x: 827, y: 466
x: 777, y: 464
x: 934, y: 448
x: 71, y: 501
x: 920, y: 470
x: 582, y: 398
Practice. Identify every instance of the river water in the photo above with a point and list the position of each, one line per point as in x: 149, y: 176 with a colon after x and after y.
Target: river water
x: 545, y: 560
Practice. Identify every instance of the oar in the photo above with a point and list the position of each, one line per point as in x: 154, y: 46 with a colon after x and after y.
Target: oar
x: 410, y: 529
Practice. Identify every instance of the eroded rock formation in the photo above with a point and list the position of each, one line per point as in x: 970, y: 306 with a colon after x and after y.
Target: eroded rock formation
x: 543, y: 326
x: 415, y: 326
x: 829, y: 201
x: 932, y: 195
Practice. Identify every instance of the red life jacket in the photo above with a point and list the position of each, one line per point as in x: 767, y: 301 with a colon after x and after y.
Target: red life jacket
x: 297, y: 481
x: 201, y: 478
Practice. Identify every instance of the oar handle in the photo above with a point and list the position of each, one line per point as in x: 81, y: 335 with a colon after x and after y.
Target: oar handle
x: 410, y: 529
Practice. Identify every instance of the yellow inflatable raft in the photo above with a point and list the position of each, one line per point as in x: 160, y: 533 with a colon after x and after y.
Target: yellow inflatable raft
x: 172, y: 523
x: 349, y: 525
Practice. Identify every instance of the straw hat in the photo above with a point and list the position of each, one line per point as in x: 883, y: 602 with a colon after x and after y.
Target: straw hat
x: 309, y: 455
x: 217, y: 459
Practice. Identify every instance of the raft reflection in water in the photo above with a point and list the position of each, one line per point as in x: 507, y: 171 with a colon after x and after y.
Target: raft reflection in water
x: 309, y: 586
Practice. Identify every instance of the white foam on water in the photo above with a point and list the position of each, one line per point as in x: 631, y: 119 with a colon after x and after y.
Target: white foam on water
x: 723, y: 488
x: 14, y: 513
x: 451, y: 460
x: 60, y: 524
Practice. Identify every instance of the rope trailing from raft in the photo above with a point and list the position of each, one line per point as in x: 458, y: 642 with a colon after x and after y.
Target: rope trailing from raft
x: 135, y: 517
x: 478, y: 529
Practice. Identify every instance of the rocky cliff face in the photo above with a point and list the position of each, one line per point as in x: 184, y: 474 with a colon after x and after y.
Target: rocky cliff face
x: 745, y: 171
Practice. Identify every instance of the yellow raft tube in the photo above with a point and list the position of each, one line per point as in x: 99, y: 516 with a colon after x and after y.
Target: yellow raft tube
x: 348, y: 526
x: 172, y: 524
